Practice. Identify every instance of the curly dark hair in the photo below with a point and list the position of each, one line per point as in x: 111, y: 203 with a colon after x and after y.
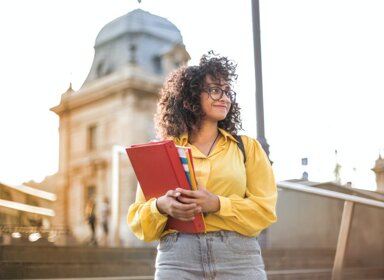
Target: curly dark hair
x: 179, y: 109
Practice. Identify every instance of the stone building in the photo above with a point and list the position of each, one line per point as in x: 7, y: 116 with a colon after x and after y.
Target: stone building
x: 114, y: 107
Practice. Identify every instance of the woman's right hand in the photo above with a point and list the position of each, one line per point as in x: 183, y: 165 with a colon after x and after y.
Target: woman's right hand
x: 170, y: 205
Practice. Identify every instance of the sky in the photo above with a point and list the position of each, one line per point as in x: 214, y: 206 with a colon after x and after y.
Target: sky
x: 322, y: 68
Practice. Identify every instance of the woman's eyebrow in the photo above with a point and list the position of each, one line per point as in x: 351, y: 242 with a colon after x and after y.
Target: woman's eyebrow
x: 218, y: 85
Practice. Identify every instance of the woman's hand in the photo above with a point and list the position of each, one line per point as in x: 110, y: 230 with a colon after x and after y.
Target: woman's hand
x: 171, y: 205
x: 208, y: 201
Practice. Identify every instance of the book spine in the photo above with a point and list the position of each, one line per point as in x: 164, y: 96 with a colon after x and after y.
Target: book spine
x: 185, y: 162
x: 192, y: 169
x: 176, y: 165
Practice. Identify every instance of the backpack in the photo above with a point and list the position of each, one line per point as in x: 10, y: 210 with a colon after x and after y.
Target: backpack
x: 240, y: 144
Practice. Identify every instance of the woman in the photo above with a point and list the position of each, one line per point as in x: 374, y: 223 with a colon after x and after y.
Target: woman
x: 198, y: 108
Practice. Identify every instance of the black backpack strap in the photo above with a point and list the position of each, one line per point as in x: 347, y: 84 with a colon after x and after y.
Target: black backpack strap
x: 240, y: 144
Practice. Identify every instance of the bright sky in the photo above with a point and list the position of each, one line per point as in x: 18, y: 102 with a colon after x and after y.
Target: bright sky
x: 323, y: 76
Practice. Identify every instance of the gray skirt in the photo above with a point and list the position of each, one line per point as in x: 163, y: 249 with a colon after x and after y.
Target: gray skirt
x: 222, y: 255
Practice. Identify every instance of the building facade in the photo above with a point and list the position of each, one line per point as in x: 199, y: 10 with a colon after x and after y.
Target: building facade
x: 114, y: 108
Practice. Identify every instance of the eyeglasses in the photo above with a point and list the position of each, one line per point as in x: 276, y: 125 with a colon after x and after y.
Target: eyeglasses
x: 217, y: 93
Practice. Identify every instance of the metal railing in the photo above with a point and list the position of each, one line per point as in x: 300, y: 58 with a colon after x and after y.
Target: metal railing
x: 346, y: 218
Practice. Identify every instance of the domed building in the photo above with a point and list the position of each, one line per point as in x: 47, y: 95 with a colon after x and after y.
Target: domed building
x: 113, y: 109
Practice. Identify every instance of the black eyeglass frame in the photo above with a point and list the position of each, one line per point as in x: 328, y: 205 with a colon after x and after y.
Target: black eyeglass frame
x: 231, y: 94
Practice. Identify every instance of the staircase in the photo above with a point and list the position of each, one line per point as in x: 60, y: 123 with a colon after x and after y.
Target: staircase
x: 314, y: 264
x: 48, y: 262
x: 298, y: 263
x: 29, y: 262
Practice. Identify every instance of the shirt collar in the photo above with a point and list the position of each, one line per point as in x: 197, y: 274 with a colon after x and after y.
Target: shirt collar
x: 183, y: 139
x: 227, y: 135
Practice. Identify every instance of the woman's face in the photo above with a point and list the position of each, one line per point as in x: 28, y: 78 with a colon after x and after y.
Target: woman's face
x: 214, y: 101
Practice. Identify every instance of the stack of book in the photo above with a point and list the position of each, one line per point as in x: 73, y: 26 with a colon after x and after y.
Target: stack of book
x: 162, y: 166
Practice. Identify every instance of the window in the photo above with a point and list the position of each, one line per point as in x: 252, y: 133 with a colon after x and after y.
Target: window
x: 157, y: 65
x: 176, y: 64
x: 90, y: 192
x: 4, y: 194
x: 102, y: 69
x: 92, y: 138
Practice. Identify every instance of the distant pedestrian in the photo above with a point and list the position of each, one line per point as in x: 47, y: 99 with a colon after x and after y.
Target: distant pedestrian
x: 90, y: 215
x: 105, y: 214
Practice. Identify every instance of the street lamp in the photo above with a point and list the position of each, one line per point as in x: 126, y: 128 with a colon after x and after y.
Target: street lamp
x: 258, y: 77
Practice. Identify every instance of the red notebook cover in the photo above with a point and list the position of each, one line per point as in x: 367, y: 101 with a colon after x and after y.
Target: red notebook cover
x: 158, y: 168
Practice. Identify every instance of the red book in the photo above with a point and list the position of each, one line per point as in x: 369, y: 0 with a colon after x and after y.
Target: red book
x: 158, y: 168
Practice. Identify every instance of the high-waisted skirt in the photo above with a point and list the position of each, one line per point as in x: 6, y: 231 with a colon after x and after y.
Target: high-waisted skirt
x: 221, y: 255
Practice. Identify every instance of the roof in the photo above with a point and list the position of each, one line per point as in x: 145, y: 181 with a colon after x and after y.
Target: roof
x: 32, y: 191
x: 27, y: 208
x: 137, y: 39
x: 139, y: 21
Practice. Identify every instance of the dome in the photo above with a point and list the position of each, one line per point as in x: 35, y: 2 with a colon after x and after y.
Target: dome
x: 139, y: 21
x: 138, y: 38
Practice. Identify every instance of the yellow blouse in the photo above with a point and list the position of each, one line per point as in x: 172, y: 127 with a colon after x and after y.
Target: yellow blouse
x: 247, y: 192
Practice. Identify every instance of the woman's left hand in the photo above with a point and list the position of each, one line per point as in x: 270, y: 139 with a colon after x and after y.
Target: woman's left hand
x: 208, y: 201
